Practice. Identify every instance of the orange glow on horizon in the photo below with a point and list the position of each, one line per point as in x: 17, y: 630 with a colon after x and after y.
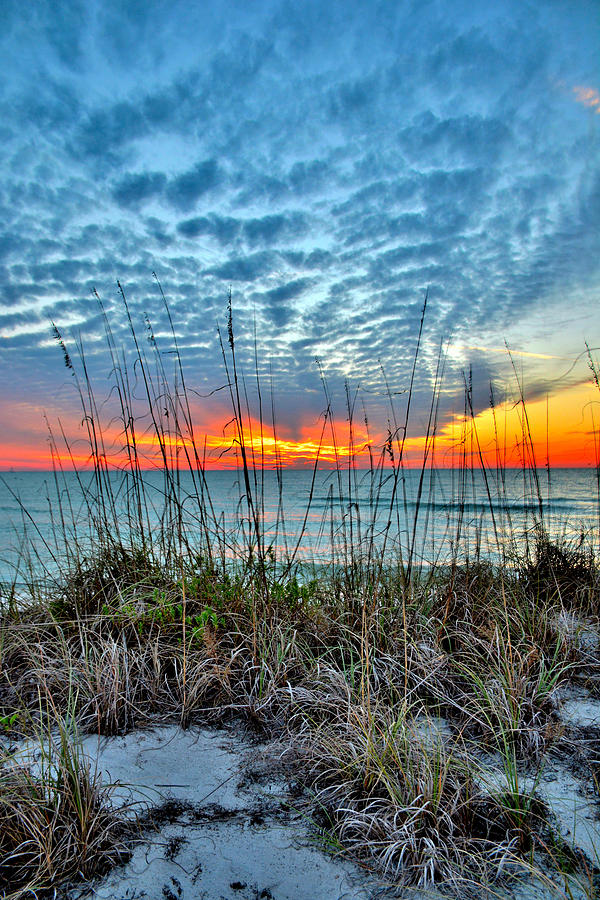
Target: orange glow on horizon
x: 223, y: 447
x: 502, y: 437
x: 561, y: 431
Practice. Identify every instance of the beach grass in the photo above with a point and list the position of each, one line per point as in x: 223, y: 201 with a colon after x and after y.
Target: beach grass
x: 397, y: 687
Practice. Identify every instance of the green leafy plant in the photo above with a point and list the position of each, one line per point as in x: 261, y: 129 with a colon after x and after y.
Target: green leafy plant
x: 7, y: 721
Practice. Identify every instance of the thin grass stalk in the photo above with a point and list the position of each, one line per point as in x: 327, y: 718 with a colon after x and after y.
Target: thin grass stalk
x: 595, y: 370
x: 528, y: 439
x: 89, y: 420
x: 308, y: 506
x: 109, y: 522
x: 184, y: 397
x: 346, y: 564
x: 280, y: 522
x: 150, y: 396
x: 404, y: 427
x: 483, y: 466
x: 120, y: 372
x: 262, y: 430
x: 238, y: 421
x: 429, y: 436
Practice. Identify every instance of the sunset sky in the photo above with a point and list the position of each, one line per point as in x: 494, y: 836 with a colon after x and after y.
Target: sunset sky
x: 330, y: 163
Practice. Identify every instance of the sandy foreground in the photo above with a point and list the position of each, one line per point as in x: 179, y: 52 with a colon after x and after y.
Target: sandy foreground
x: 226, y: 823
x: 223, y: 818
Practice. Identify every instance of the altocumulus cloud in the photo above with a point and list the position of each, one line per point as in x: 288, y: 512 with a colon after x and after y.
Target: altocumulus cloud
x: 134, y: 190
x: 184, y: 190
x: 331, y: 161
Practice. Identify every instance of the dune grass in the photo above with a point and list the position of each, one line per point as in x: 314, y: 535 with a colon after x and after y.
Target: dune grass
x: 56, y: 816
x: 392, y: 683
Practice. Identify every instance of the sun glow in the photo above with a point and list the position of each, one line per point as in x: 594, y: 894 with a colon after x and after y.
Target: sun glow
x: 223, y: 446
x: 558, y: 430
x: 561, y: 430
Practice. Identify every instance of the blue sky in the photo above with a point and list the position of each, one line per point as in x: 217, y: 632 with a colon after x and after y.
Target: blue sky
x: 330, y: 161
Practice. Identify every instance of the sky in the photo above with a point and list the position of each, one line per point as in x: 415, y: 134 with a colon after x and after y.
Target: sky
x: 331, y: 164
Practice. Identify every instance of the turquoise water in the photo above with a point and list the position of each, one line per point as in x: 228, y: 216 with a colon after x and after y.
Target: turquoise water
x: 422, y: 518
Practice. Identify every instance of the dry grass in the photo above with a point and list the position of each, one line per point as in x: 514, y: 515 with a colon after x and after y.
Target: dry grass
x: 56, y: 819
x: 482, y: 650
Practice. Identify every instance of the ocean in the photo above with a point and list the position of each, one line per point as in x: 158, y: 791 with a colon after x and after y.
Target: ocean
x: 425, y: 518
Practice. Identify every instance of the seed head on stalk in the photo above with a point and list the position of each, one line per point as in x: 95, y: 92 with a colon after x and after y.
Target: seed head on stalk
x: 230, y: 321
x: 61, y: 344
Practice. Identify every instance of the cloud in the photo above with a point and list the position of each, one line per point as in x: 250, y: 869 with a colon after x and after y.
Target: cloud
x: 506, y: 351
x: 245, y: 268
x: 355, y: 97
x: 184, y: 190
x: 277, y: 300
x: 224, y: 228
x: 104, y: 133
x: 307, y: 176
x: 158, y: 230
x: 588, y: 96
x: 11, y: 244
x: 133, y: 190
x: 53, y: 104
x: 274, y: 228
x: 456, y: 139
x: 330, y: 162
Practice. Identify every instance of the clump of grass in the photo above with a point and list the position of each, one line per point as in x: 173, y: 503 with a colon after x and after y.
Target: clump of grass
x: 56, y: 819
x: 115, y: 573
x: 393, y: 793
x: 565, y: 569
